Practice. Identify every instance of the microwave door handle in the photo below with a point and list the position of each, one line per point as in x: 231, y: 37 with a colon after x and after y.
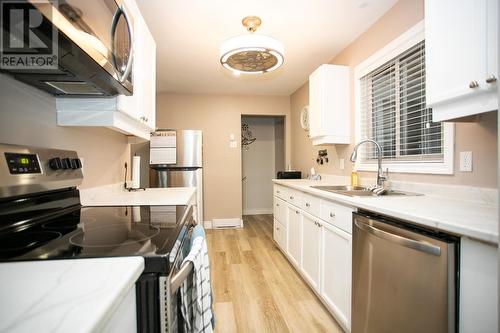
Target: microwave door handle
x: 122, y: 11
x: 410, y: 243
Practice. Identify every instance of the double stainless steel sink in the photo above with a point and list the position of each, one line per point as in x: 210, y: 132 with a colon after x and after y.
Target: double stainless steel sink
x: 361, y: 191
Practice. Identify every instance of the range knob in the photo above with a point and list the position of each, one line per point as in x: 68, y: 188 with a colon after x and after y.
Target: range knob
x: 55, y: 163
x: 66, y: 163
x: 76, y: 163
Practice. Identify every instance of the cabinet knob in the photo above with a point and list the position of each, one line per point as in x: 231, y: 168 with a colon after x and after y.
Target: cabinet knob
x: 291, y: 198
x: 332, y: 215
x: 296, y: 212
x: 278, y: 205
x: 277, y: 228
x: 278, y: 191
x: 307, y: 204
x: 491, y: 79
x: 473, y: 84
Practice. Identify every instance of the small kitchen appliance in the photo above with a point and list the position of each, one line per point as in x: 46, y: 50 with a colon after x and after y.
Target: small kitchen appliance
x: 41, y: 218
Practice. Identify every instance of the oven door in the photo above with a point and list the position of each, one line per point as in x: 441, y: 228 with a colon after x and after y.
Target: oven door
x: 158, y: 296
x: 103, y: 29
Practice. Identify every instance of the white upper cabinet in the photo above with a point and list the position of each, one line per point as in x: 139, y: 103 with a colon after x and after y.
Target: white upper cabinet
x: 132, y: 115
x: 329, y: 105
x: 461, y: 57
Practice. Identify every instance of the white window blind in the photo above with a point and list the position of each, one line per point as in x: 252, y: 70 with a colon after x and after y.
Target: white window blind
x: 394, y: 112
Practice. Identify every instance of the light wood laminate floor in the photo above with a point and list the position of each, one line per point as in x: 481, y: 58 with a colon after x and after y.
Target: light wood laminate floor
x: 255, y: 287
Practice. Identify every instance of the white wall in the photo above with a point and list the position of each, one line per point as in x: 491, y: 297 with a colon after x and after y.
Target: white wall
x: 258, y: 166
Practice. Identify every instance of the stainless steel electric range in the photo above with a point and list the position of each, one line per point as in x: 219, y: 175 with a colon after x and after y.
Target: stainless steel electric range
x: 41, y: 218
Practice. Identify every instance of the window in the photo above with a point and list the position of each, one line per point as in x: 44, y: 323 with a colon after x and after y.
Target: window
x: 392, y: 110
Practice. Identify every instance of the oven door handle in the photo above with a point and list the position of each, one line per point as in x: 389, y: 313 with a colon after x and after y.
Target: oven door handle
x: 179, y: 277
x: 407, y: 242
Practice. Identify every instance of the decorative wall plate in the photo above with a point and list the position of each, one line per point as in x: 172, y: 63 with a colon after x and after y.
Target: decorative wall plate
x: 304, y: 118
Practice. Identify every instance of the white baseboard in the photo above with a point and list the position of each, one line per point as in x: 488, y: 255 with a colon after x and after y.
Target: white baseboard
x: 226, y: 223
x: 207, y: 224
x: 257, y: 211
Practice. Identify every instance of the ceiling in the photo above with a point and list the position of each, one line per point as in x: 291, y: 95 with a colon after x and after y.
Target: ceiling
x: 188, y: 34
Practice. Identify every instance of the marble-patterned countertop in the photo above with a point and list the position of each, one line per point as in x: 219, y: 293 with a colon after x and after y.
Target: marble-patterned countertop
x: 475, y: 219
x: 76, y: 295
x: 115, y: 195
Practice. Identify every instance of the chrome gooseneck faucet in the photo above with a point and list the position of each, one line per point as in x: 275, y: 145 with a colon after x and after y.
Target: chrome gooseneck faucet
x: 380, y: 175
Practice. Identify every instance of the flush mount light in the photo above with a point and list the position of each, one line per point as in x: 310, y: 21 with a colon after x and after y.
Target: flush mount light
x: 251, y: 53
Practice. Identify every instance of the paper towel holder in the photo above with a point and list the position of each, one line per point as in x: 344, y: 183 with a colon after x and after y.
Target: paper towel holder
x: 130, y: 189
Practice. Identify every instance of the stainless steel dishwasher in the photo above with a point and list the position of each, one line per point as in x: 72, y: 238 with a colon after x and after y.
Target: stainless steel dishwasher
x: 405, y: 278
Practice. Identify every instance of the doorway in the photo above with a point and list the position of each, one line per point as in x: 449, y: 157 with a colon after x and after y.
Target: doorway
x: 262, y: 156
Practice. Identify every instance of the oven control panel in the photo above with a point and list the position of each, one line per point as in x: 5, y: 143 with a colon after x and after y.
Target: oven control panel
x: 23, y: 163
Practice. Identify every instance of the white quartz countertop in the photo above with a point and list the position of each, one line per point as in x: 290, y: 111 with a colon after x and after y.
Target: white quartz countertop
x: 115, y: 195
x: 465, y: 218
x: 78, y: 295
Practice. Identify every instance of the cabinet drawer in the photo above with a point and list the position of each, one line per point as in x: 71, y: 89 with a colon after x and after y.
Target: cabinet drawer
x: 337, y: 215
x: 279, y: 234
x: 294, y: 197
x: 280, y: 192
x: 310, y: 204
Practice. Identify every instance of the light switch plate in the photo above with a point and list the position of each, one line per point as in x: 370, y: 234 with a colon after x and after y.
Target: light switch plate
x: 341, y: 164
x: 466, y: 161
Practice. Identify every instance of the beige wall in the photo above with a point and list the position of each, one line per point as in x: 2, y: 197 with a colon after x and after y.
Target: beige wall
x: 28, y: 117
x: 218, y: 117
x: 479, y: 137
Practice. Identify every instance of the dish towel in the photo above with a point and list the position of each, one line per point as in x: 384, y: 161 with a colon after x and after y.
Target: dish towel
x: 196, y: 291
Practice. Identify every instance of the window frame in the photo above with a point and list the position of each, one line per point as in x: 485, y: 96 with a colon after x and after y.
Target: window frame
x: 392, y: 50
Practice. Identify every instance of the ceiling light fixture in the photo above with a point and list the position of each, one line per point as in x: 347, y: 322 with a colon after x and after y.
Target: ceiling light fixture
x: 252, y: 53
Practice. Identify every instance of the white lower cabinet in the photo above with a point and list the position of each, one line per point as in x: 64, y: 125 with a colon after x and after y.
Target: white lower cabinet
x: 294, y: 239
x: 336, y: 263
x: 315, y: 235
x: 311, y: 236
x: 279, y: 234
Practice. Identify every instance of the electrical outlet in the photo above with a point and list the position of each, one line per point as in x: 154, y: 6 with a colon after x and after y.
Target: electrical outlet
x: 233, y: 144
x: 341, y: 164
x: 466, y: 161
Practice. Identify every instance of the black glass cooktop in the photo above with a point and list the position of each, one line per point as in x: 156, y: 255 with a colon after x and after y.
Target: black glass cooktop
x: 90, y: 232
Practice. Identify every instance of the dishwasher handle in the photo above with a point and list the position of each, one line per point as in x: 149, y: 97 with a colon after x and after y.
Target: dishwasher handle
x: 403, y: 241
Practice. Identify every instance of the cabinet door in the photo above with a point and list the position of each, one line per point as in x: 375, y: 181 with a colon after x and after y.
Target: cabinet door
x: 455, y: 37
x: 311, y: 236
x: 336, y: 265
x: 149, y: 80
x: 294, y: 231
x: 314, y: 104
x: 280, y: 210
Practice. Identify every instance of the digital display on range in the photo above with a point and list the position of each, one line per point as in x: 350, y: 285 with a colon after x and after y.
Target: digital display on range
x: 22, y: 163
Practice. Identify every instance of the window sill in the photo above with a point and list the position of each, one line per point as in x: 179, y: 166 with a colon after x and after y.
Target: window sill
x: 438, y: 168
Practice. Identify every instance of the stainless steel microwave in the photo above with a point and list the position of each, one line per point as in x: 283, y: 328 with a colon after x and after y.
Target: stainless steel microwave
x: 94, y: 40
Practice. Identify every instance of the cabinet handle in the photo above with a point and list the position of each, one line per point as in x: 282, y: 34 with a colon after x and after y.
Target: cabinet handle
x: 491, y: 79
x: 307, y: 204
x: 473, y: 84
x: 332, y: 215
x: 319, y: 225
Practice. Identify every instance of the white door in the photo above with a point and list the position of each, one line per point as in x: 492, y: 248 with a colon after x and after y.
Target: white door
x: 294, y: 230
x: 336, y: 263
x: 455, y: 37
x: 311, y: 246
